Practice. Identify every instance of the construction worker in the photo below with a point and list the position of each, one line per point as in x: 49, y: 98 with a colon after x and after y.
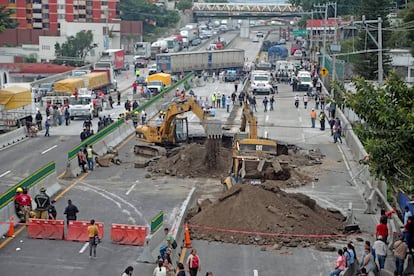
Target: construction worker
x: 42, y: 202
x: 25, y: 204
x: 89, y: 157
x: 17, y: 208
x: 135, y: 118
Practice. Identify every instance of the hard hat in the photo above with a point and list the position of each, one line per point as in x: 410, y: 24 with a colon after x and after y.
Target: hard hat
x: 42, y: 190
x: 136, y: 112
x: 19, y: 190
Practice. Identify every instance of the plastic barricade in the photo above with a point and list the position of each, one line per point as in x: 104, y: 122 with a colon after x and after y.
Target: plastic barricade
x: 78, y: 230
x: 128, y: 234
x: 45, y: 229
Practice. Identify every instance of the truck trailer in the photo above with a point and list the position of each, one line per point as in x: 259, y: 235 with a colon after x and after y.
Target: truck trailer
x: 16, y: 106
x: 200, y: 60
x: 116, y: 57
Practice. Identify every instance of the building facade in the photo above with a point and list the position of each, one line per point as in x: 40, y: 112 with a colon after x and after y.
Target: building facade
x: 49, y: 14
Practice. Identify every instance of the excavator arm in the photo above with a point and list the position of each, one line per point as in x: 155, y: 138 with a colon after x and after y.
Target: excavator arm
x: 248, y: 117
x: 165, y: 132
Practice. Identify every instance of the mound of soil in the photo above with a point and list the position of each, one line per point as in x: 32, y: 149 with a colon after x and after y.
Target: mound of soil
x: 191, y: 161
x: 258, y: 209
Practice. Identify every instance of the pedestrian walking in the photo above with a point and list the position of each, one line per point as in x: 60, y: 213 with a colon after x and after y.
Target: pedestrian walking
x: 305, y: 100
x: 349, y: 253
x: 228, y: 100
x: 70, y: 211
x: 47, y: 126
x: 265, y: 101
x: 254, y: 102
x: 169, y: 239
x: 51, y: 210
x: 67, y: 116
x: 111, y: 101
x: 93, y: 234
x: 313, y: 117
x: 380, y: 251
x: 236, y: 85
x: 337, y: 133
x: 168, y: 267
x: 193, y: 263
x: 272, y: 101
x: 42, y: 201
x: 339, y: 265
x: 400, y: 253
x: 128, y: 271
x: 118, y: 96
x: 382, y: 230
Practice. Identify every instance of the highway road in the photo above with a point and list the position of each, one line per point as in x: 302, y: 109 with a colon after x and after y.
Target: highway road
x: 124, y: 194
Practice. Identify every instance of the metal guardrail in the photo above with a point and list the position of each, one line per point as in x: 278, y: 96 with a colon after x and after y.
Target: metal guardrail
x: 28, y: 182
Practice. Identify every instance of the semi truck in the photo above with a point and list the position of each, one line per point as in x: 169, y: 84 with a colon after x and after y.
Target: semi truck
x: 16, y: 106
x: 200, y: 60
x: 142, y: 54
x: 158, y: 47
x: 116, y: 57
x: 85, y: 104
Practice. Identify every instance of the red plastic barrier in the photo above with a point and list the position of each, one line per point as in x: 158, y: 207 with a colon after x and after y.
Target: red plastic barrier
x: 46, y: 229
x: 128, y: 234
x: 78, y: 230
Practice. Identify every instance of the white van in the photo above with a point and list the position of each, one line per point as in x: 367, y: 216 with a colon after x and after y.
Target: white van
x: 304, y: 81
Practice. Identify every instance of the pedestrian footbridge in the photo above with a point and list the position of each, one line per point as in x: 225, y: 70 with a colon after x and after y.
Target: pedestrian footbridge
x: 244, y: 10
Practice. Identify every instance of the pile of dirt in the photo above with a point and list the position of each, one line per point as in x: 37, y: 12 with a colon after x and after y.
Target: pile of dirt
x: 258, y: 209
x: 192, y: 161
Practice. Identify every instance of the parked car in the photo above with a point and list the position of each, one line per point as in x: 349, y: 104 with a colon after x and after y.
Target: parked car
x: 259, y: 34
x: 152, y: 69
x: 142, y: 80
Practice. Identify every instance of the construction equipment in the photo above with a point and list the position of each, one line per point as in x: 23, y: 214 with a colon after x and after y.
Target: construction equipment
x: 254, y: 159
x: 168, y: 127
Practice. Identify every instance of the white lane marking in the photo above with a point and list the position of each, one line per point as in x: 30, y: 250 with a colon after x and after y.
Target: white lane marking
x: 84, y: 247
x: 300, y: 119
x: 267, y: 118
x: 131, y: 188
x: 49, y: 149
x: 5, y: 173
x: 255, y: 272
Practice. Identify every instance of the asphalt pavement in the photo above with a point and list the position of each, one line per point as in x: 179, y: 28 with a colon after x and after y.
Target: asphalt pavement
x: 124, y: 194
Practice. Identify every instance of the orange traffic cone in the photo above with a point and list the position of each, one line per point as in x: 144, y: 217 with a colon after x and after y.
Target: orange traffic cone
x: 11, y: 227
x: 187, y: 243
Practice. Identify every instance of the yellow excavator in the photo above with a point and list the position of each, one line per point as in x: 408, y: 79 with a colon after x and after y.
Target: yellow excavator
x: 170, y: 127
x: 253, y: 158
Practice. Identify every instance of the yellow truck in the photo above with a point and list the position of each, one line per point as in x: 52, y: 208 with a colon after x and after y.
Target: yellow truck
x: 16, y: 105
x: 96, y: 80
x: 69, y: 85
x: 157, y: 82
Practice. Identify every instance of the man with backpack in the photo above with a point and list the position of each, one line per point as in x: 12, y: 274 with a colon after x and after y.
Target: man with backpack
x: 193, y: 263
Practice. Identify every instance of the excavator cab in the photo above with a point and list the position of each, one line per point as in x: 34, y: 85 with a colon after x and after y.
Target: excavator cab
x: 180, y: 129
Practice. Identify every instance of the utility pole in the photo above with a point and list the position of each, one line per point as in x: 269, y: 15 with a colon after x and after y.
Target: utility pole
x: 335, y: 43
x: 378, y: 43
x: 311, y: 39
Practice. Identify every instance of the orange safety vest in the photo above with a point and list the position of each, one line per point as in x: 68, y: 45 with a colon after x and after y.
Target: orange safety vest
x: 313, y: 114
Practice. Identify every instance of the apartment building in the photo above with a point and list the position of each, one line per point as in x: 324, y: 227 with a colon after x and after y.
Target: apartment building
x: 48, y: 14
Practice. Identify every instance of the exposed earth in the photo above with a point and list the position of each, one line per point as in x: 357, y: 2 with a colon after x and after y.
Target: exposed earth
x: 264, y: 213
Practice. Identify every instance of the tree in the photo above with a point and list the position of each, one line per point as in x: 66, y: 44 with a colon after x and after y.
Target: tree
x: 6, y: 22
x: 74, y: 50
x: 387, y: 131
x: 184, y: 5
x: 367, y: 63
x: 31, y: 58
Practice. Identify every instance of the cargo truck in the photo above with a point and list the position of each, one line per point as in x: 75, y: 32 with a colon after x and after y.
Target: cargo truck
x: 200, y: 60
x: 16, y: 106
x: 116, y: 57
x: 102, y: 66
x: 158, y: 47
x: 85, y: 104
x: 157, y: 82
x: 142, y: 54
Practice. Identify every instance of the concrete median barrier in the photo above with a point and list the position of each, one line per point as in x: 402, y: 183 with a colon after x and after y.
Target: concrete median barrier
x: 12, y: 137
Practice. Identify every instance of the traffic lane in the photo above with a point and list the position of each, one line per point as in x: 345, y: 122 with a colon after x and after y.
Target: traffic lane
x: 44, y: 257
x: 24, y: 159
x: 243, y: 260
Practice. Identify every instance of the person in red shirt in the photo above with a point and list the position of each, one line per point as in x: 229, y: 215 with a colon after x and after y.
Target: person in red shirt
x: 134, y: 87
x: 382, y: 230
x: 25, y: 202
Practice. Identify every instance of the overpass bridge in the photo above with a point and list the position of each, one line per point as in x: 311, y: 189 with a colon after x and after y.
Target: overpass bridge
x: 245, y: 10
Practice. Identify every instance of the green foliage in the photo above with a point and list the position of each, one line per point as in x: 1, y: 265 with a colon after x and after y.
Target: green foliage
x: 184, y: 5
x: 31, y: 58
x: 6, y: 22
x: 387, y: 131
x: 73, y: 51
x: 151, y: 15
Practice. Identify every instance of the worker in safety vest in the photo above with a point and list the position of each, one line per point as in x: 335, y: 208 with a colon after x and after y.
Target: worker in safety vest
x: 42, y: 201
x: 135, y: 118
x: 89, y: 156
